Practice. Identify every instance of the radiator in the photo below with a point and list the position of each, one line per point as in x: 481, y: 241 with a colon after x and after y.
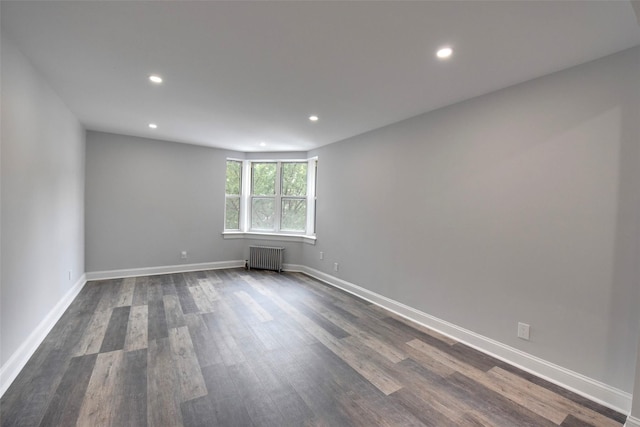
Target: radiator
x: 265, y: 258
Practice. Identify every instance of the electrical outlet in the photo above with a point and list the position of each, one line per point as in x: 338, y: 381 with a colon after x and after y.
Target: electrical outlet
x: 523, y: 331
x: 183, y: 254
x: 321, y: 255
x: 335, y: 266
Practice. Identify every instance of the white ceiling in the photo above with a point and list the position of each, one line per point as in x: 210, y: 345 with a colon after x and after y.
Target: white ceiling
x: 240, y: 73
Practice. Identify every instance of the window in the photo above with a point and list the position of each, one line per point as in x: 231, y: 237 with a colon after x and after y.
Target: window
x: 270, y: 197
x: 263, y: 196
x: 232, y: 193
x: 293, y: 196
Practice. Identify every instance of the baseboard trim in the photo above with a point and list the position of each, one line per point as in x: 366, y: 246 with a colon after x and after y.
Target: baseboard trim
x: 592, y: 389
x: 168, y: 269
x: 632, y: 422
x: 12, y: 367
x: 293, y: 268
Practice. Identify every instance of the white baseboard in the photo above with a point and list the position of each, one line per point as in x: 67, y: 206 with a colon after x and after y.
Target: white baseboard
x: 592, y: 389
x: 12, y: 367
x: 168, y: 269
x: 293, y: 268
x: 632, y: 422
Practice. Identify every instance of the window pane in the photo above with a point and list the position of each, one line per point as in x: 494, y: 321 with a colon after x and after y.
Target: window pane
x: 263, y: 179
x: 263, y: 214
x: 232, y: 214
x: 294, y: 214
x: 234, y: 177
x: 294, y: 179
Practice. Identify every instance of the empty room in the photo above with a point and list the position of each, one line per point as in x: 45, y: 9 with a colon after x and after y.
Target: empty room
x: 320, y: 213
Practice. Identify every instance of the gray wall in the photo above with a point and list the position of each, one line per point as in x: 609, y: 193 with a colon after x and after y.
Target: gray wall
x: 520, y: 205
x: 42, y: 203
x: 147, y: 200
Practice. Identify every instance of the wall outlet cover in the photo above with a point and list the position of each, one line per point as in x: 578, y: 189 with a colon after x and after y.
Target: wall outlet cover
x: 523, y: 331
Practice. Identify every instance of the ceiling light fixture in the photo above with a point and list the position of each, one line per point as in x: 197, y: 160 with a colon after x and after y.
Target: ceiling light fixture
x: 263, y: 144
x: 155, y: 79
x: 444, y: 53
x: 313, y: 118
x: 153, y: 125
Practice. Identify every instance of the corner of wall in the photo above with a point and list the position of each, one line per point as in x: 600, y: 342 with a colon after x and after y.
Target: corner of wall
x: 10, y: 370
x: 632, y: 422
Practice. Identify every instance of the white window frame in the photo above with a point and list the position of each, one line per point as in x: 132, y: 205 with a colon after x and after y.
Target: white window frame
x: 276, y: 197
x: 245, y: 231
x: 233, y: 196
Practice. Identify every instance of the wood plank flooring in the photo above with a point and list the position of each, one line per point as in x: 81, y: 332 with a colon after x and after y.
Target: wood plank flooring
x: 251, y: 348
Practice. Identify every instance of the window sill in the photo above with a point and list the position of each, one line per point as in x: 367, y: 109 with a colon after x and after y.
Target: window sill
x: 310, y: 240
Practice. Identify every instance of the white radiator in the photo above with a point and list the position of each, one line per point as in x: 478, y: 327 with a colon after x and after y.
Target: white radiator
x: 265, y: 258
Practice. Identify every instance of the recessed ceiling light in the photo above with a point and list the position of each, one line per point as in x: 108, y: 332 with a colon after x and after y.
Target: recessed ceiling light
x: 155, y: 79
x: 444, y: 53
x: 313, y: 118
x: 263, y: 144
x: 153, y: 125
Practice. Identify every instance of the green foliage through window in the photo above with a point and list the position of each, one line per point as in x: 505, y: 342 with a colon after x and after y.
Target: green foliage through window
x: 232, y: 214
x: 294, y: 215
x: 233, y: 189
x: 262, y: 214
x: 294, y: 179
x: 234, y: 177
x: 263, y: 179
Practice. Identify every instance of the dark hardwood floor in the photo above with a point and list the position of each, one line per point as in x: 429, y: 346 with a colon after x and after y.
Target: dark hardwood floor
x: 239, y: 348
